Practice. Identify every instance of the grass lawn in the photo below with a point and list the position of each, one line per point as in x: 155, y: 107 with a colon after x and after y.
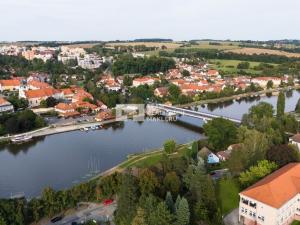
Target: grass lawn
x: 227, y: 191
x: 296, y: 222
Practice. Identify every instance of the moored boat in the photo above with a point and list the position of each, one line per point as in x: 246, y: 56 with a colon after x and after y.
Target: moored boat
x: 21, y: 139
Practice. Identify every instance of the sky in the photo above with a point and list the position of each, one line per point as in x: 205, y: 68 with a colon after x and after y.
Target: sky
x: 82, y: 20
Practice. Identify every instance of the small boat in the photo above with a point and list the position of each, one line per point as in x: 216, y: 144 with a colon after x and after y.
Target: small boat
x: 93, y: 127
x: 21, y: 139
x: 86, y: 129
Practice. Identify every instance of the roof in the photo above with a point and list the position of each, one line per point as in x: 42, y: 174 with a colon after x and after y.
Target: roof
x: 277, y: 188
x: 296, y: 138
x: 38, y: 84
x: 64, y: 106
x: 3, y: 102
x: 40, y: 93
x: 13, y: 82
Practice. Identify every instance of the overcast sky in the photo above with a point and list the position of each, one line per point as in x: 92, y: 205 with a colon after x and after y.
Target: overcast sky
x: 130, y: 19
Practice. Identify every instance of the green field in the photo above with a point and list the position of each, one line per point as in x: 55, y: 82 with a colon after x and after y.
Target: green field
x: 230, y: 66
x: 296, y: 222
x: 227, y: 193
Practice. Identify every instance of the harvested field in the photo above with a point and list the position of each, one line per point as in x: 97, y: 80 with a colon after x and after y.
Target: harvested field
x: 147, y: 44
x: 251, y: 51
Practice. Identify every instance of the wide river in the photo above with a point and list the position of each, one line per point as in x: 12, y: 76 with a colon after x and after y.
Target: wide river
x: 63, y: 160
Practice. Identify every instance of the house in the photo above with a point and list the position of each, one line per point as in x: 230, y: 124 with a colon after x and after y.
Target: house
x: 263, y: 81
x: 206, y: 154
x: 5, y: 106
x: 35, y: 97
x: 161, y: 92
x: 143, y: 81
x: 212, y: 73
x: 66, y: 110
x: 9, y: 85
x: 295, y: 140
x: 274, y: 200
x: 104, y: 115
x: 223, y: 155
x: 101, y: 105
x: 212, y: 158
x: 35, y: 84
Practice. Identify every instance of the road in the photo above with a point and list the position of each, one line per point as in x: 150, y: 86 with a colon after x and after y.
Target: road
x: 97, y: 212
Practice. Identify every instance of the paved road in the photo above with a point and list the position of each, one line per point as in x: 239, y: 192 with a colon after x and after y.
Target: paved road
x: 232, y: 218
x: 97, y: 212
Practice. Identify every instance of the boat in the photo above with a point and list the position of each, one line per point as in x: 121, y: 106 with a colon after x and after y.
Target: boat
x: 86, y: 129
x: 93, y: 127
x: 21, y: 139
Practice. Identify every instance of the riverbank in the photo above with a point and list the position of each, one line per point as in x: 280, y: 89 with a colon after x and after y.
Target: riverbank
x: 244, y: 95
x: 55, y: 129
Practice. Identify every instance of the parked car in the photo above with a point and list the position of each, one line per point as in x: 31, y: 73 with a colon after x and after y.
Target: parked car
x: 108, y: 202
x: 56, y: 219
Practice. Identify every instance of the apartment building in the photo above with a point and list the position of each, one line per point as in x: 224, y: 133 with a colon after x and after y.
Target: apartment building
x: 274, y: 200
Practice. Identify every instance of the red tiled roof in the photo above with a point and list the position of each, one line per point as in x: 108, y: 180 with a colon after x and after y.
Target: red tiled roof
x: 40, y: 93
x: 277, y: 188
x: 38, y: 84
x: 3, y: 102
x: 10, y: 82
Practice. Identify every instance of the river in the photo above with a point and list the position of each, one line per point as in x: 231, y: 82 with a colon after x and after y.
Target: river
x: 63, y: 160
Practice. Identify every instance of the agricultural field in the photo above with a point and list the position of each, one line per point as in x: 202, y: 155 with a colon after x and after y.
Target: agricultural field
x: 251, y: 51
x: 169, y: 45
x: 230, y: 66
x: 224, y: 45
x: 87, y: 45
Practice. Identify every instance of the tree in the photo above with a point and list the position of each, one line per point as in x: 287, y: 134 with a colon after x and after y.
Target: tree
x: 127, y: 81
x: 280, y: 105
x: 297, y: 108
x: 169, y: 146
x: 185, y: 73
x: 127, y: 199
x: 220, y: 132
x: 174, y: 91
x: 139, y: 219
x: 169, y: 202
x: 270, y: 84
x: 254, y: 145
x: 172, y: 183
x: 243, y: 65
x: 148, y: 181
x: 183, y: 212
x: 255, y: 173
x: 161, y: 215
x: 283, y: 154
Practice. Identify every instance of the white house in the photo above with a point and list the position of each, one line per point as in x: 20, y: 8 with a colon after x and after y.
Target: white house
x: 274, y: 200
x: 5, y: 106
x: 295, y: 140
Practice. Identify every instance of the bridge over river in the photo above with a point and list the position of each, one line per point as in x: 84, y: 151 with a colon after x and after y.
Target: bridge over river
x: 191, y: 113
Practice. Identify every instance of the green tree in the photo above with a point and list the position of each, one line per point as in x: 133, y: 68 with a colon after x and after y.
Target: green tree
x: 270, y: 84
x: 243, y: 65
x: 169, y: 146
x: 172, y: 183
x: 148, y: 181
x: 185, y: 73
x: 169, y: 202
x: 280, y: 105
x: 127, y: 200
x: 161, y: 215
x: 174, y: 91
x: 183, y: 212
x: 297, y: 108
x: 255, y: 173
x: 139, y: 219
x: 220, y: 132
x: 283, y: 154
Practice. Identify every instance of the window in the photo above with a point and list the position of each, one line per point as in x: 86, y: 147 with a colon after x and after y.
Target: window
x: 245, y: 201
x: 253, y: 204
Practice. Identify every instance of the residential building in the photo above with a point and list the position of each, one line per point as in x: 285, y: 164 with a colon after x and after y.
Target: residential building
x: 35, y: 85
x: 161, y: 92
x: 263, y: 81
x: 35, y: 97
x: 5, y: 106
x: 66, y: 110
x: 104, y: 115
x: 144, y: 80
x: 295, y: 140
x: 274, y: 200
x: 9, y: 85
